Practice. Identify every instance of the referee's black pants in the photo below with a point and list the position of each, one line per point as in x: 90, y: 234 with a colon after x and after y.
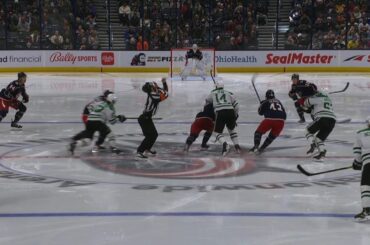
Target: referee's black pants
x: 149, y: 131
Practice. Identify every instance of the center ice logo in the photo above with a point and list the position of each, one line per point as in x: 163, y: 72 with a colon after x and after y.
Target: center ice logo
x: 172, y: 163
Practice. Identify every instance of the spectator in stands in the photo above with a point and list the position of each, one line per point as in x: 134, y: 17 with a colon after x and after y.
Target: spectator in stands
x: 142, y: 44
x: 67, y: 45
x: 124, y: 13
x: 93, y: 41
x: 339, y: 42
x: 24, y: 22
x: 57, y: 40
x: 353, y: 43
x: 291, y: 42
x: 135, y: 19
x: 132, y: 45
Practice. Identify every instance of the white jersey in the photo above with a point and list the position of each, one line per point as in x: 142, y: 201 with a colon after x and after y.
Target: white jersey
x: 102, y: 111
x: 222, y: 100
x: 361, y: 147
x: 321, y: 105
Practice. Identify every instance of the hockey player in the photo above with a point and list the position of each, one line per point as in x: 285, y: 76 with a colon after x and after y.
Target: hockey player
x: 361, y: 150
x: 273, y: 111
x: 100, y: 112
x: 9, y: 98
x: 321, y: 109
x: 155, y: 94
x: 301, y: 89
x: 204, y: 120
x: 86, y: 113
x: 226, y: 108
x: 194, y: 60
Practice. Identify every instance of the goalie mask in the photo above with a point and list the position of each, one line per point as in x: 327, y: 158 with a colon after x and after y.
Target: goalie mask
x: 195, y: 47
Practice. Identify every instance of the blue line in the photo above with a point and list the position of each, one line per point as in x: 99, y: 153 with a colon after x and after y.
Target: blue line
x: 157, y: 122
x: 175, y: 214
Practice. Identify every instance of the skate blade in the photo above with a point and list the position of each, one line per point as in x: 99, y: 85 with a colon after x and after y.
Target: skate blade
x: 363, y: 220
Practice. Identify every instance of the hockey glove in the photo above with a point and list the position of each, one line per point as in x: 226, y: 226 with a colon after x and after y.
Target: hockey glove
x: 121, y: 118
x: 356, y: 165
x: 26, y: 98
x: 293, y: 96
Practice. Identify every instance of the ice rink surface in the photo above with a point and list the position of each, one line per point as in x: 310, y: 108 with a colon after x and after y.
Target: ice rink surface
x: 48, y: 197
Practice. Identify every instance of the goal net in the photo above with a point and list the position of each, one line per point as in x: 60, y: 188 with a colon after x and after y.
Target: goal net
x: 178, y: 61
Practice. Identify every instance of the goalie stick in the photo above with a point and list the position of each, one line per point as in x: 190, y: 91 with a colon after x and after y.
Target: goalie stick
x: 305, y: 172
x: 340, y: 91
x: 254, y: 86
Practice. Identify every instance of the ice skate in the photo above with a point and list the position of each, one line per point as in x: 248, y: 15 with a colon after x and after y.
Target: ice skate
x: 320, y: 156
x: 16, y: 126
x: 150, y: 152
x: 253, y: 149
x: 186, y: 148
x: 140, y: 156
x: 72, y: 147
x: 97, y: 148
x: 259, y: 151
x: 302, y: 120
x: 204, y: 147
x: 225, y: 148
x: 115, y: 150
x: 237, y: 148
x: 312, y: 149
x: 363, y: 216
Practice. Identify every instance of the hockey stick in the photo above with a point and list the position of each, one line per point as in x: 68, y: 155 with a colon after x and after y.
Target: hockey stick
x: 154, y: 118
x: 254, y: 86
x: 305, y: 172
x: 213, y: 79
x: 340, y: 91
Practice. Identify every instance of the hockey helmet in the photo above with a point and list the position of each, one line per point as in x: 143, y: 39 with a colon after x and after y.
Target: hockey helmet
x: 195, y: 47
x: 219, y: 84
x: 21, y: 74
x: 295, y: 76
x: 106, y: 93
x: 147, y: 87
x: 270, y: 94
x: 112, y: 98
x: 368, y: 121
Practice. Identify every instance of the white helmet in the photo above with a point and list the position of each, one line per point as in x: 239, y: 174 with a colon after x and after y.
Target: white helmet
x: 195, y: 47
x: 368, y: 120
x: 219, y: 84
x: 112, y: 98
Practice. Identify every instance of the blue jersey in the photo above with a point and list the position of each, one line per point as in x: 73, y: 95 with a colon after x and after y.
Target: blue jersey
x: 272, y: 108
x: 208, y: 111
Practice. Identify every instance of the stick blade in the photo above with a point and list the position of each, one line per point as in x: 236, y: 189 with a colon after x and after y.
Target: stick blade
x: 303, y: 171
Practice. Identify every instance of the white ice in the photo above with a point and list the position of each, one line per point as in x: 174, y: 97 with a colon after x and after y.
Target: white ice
x: 49, y: 197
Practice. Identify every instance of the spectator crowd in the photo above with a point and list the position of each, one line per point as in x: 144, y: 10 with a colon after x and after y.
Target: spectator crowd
x: 329, y: 24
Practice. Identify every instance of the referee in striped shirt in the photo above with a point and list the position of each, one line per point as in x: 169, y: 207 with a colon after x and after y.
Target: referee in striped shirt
x: 155, y: 94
